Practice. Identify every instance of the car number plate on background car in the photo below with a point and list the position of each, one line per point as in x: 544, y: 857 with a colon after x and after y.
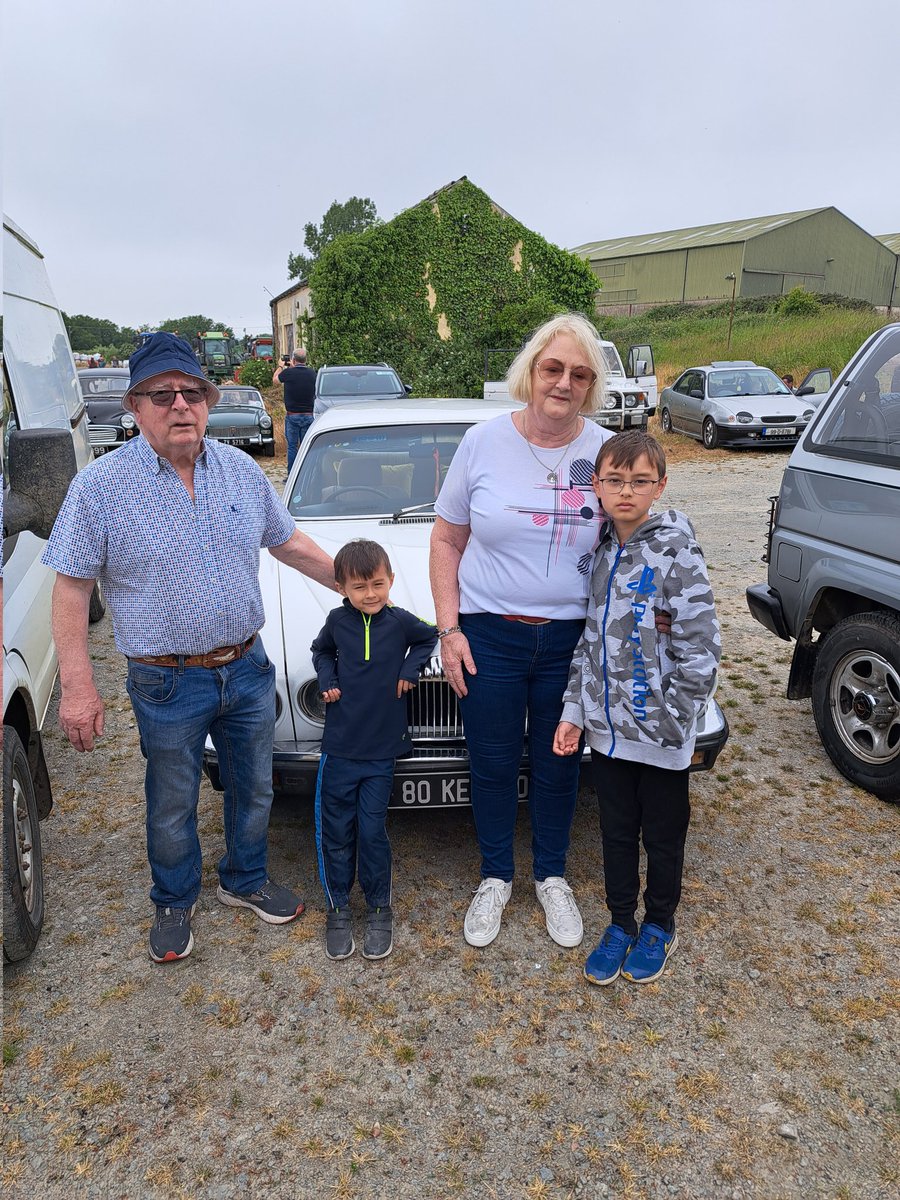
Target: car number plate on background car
x: 779, y: 430
x: 439, y: 791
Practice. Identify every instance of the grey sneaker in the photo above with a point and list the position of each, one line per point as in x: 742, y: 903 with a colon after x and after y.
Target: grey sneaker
x: 272, y: 903
x: 563, y: 918
x: 379, y: 939
x: 338, y: 933
x: 170, y: 934
x: 482, y: 923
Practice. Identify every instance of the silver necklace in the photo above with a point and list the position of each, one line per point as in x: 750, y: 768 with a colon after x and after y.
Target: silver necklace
x: 552, y: 472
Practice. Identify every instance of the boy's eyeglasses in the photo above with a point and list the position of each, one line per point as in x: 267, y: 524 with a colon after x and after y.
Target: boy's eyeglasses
x: 551, y: 371
x: 640, y: 487
x: 165, y: 399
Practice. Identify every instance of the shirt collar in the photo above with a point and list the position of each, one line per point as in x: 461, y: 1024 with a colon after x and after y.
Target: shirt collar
x: 154, y: 461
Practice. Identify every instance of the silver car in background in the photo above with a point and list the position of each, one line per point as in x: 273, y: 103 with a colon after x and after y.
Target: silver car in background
x: 737, y: 404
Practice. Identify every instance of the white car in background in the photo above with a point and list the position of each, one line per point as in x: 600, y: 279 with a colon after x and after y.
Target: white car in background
x: 374, y: 470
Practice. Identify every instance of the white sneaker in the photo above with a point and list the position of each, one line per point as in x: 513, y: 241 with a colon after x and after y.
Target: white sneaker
x: 563, y: 918
x: 482, y: 922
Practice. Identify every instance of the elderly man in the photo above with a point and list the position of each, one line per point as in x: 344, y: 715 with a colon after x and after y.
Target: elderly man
x: 172, y: 524
x: 299, y: 382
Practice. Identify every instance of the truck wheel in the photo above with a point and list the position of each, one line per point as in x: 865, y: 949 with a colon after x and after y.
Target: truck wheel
x: 97, y: 607
x: 23, y: 874
x: 710, y: 434
x: 665, y: 419
x: 856, y: 700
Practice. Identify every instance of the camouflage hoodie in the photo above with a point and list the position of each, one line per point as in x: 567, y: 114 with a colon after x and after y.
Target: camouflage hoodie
x: 637, y: 693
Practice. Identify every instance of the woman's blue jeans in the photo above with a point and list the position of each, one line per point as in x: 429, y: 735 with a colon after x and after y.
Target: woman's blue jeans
x: 175, y: 708
x: 522, y: 671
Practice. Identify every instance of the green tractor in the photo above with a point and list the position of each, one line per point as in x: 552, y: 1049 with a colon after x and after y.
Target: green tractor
x: 219, y: 354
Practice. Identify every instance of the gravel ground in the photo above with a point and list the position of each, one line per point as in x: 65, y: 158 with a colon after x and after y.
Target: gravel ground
x: 763, y: 1064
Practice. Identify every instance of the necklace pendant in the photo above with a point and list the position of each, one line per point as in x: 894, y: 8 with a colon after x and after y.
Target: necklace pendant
x: 551, y: 477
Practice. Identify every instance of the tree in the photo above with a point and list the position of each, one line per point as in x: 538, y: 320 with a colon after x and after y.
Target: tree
x: 189, y: 327
x: 353, y: 216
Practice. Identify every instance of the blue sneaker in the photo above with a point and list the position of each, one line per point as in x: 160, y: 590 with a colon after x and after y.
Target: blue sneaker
x: 605, y: 963
x: 648, y: 959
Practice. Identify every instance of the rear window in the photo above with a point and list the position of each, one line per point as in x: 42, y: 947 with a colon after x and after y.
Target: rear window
x: 359, y: 383
x: 95, y: 383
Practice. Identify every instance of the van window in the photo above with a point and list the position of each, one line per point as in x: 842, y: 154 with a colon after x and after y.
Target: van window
x: 40, y: 363
x: 864, y: 423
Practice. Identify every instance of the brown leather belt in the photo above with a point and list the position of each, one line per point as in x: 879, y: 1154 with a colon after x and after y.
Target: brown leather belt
x: 528, y: 620
x: 214, y: 658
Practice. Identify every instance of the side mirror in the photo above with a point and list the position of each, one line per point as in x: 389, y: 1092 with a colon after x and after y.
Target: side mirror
x: 40, y: 466
x: 806, y: 390
x: 407, y: 388
x: 640, y: 367
x: 640, y: 361
x: 697, y: 393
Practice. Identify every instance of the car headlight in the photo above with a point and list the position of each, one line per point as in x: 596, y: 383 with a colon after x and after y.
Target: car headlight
x: 611, y: 402
x: 745, y: 417
x: 127, y: 421
x: 310, y: 701
x: 630, y: 401
x: 265, y: 421
x: 808, y: 415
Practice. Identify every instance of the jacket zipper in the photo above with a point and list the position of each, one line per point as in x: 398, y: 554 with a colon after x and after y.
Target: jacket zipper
x: 609, y: 721
x: 367, y: 621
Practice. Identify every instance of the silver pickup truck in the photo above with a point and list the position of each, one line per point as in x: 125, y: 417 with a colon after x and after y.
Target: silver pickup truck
x: 834, y: 567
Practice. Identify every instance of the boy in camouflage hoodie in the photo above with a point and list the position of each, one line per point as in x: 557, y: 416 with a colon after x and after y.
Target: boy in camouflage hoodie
x: 637, y: 693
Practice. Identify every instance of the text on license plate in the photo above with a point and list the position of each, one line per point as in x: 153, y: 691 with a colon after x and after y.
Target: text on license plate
x: 779, y: 430
x: 436, y: 791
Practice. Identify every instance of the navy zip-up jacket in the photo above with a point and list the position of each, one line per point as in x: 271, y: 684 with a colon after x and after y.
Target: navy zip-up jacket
x: 365, y: 656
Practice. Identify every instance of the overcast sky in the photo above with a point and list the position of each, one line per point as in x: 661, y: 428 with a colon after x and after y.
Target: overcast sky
x: 166, y: 154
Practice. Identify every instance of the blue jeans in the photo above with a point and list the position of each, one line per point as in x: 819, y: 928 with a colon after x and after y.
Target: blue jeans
x: 175, y: 708
x: 522, y: 671
x: 351, y: 808
x: 295, y: 427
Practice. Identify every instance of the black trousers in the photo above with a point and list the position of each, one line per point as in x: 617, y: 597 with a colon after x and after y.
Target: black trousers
x: 638, y: 801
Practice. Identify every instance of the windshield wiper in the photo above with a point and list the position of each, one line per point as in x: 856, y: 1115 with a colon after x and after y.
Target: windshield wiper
x: 411, y: 508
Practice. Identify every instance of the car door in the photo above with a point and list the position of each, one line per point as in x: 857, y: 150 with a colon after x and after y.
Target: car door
x: 675, y: 400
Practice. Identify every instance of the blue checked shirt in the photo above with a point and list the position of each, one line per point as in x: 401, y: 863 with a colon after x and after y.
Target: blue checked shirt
x: 180, y: 575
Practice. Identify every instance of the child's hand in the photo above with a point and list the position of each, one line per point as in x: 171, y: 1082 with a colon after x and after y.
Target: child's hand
x: 566, y: 738
x: 331, y: 695
x: 404, y: 686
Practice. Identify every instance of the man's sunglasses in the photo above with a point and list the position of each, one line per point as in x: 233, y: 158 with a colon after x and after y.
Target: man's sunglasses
x: 165, y: 399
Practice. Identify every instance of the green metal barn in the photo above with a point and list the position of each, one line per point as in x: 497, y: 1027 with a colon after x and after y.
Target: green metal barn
x: 892, y: 241
x: 819, y: 249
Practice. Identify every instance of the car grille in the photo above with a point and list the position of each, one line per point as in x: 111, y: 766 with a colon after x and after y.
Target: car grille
x: 103, y: 435
x: 780, y: 420
x: 433, y: 709
x: 230, y: 431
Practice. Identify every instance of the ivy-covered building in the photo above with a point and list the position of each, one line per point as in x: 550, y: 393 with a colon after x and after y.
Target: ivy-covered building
x: 436, y: 287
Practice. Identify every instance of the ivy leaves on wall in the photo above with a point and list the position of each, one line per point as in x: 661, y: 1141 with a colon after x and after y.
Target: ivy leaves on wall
x: 435, y: 287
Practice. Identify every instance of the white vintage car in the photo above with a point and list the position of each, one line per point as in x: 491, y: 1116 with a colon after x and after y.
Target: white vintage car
x: 374, y: 470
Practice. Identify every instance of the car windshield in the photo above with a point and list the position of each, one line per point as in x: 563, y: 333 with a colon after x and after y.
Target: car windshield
x: 359, y: 383
x: 758, y: 382
x: 379, y: 469
x: 214, y: 346
x: 613, y: 362
x: 241, y: 396
x: 97, y: 384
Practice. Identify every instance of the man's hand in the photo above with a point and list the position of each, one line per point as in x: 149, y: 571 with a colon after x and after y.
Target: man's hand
x: 566, y: 738
x: 331, y: 695
x: 81, y: 715
x: 404, y: 686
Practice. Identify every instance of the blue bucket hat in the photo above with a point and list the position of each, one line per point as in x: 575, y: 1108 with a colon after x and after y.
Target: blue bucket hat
x: 161, y: 353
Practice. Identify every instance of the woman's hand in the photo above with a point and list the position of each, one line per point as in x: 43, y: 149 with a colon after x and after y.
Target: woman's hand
x: 456, y: 655
x: 404, y: 686
x: 331, y: 695
x: 566, y: 739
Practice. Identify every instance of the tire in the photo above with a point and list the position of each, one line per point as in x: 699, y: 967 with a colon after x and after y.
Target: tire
x: 97, y: 607
x: 710, y: 434
x: 856, y: 701
x: 269, y: 450
x: 23, y: 870
x: 665, y: 419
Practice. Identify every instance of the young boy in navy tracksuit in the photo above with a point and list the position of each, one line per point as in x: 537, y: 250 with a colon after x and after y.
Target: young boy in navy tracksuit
x: 367, y: 657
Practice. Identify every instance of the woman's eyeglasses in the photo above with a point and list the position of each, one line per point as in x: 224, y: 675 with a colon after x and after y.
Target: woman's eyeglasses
x: 166, y: 398
x: 551, y: 371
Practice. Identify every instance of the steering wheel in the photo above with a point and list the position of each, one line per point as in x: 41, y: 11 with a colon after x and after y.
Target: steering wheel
x: 341, y: 491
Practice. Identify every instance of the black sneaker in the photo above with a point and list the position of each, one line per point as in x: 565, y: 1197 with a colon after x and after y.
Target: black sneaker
x: 272, y: 903
x: 339, y: 933
x: 170, y: 934
x: 379, y: 939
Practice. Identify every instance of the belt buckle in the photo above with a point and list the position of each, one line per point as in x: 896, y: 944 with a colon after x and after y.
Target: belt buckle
x: 222, y: 660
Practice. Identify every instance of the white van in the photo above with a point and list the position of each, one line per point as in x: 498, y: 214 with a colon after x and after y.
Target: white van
x: 44, y: 442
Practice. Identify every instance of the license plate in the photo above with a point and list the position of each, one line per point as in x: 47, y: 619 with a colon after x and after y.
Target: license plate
x: 779, y: 430
x: 239, y: 441
x: 441, y: 791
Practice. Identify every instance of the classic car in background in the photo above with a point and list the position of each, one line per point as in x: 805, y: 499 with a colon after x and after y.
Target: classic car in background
x: 109, y: 424
x: 240, y: 418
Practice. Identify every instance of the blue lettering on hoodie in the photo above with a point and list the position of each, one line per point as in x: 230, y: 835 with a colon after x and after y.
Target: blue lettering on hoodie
x: 642, y: 588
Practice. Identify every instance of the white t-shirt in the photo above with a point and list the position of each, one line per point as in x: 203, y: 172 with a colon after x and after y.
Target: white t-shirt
x: 532, y: 543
